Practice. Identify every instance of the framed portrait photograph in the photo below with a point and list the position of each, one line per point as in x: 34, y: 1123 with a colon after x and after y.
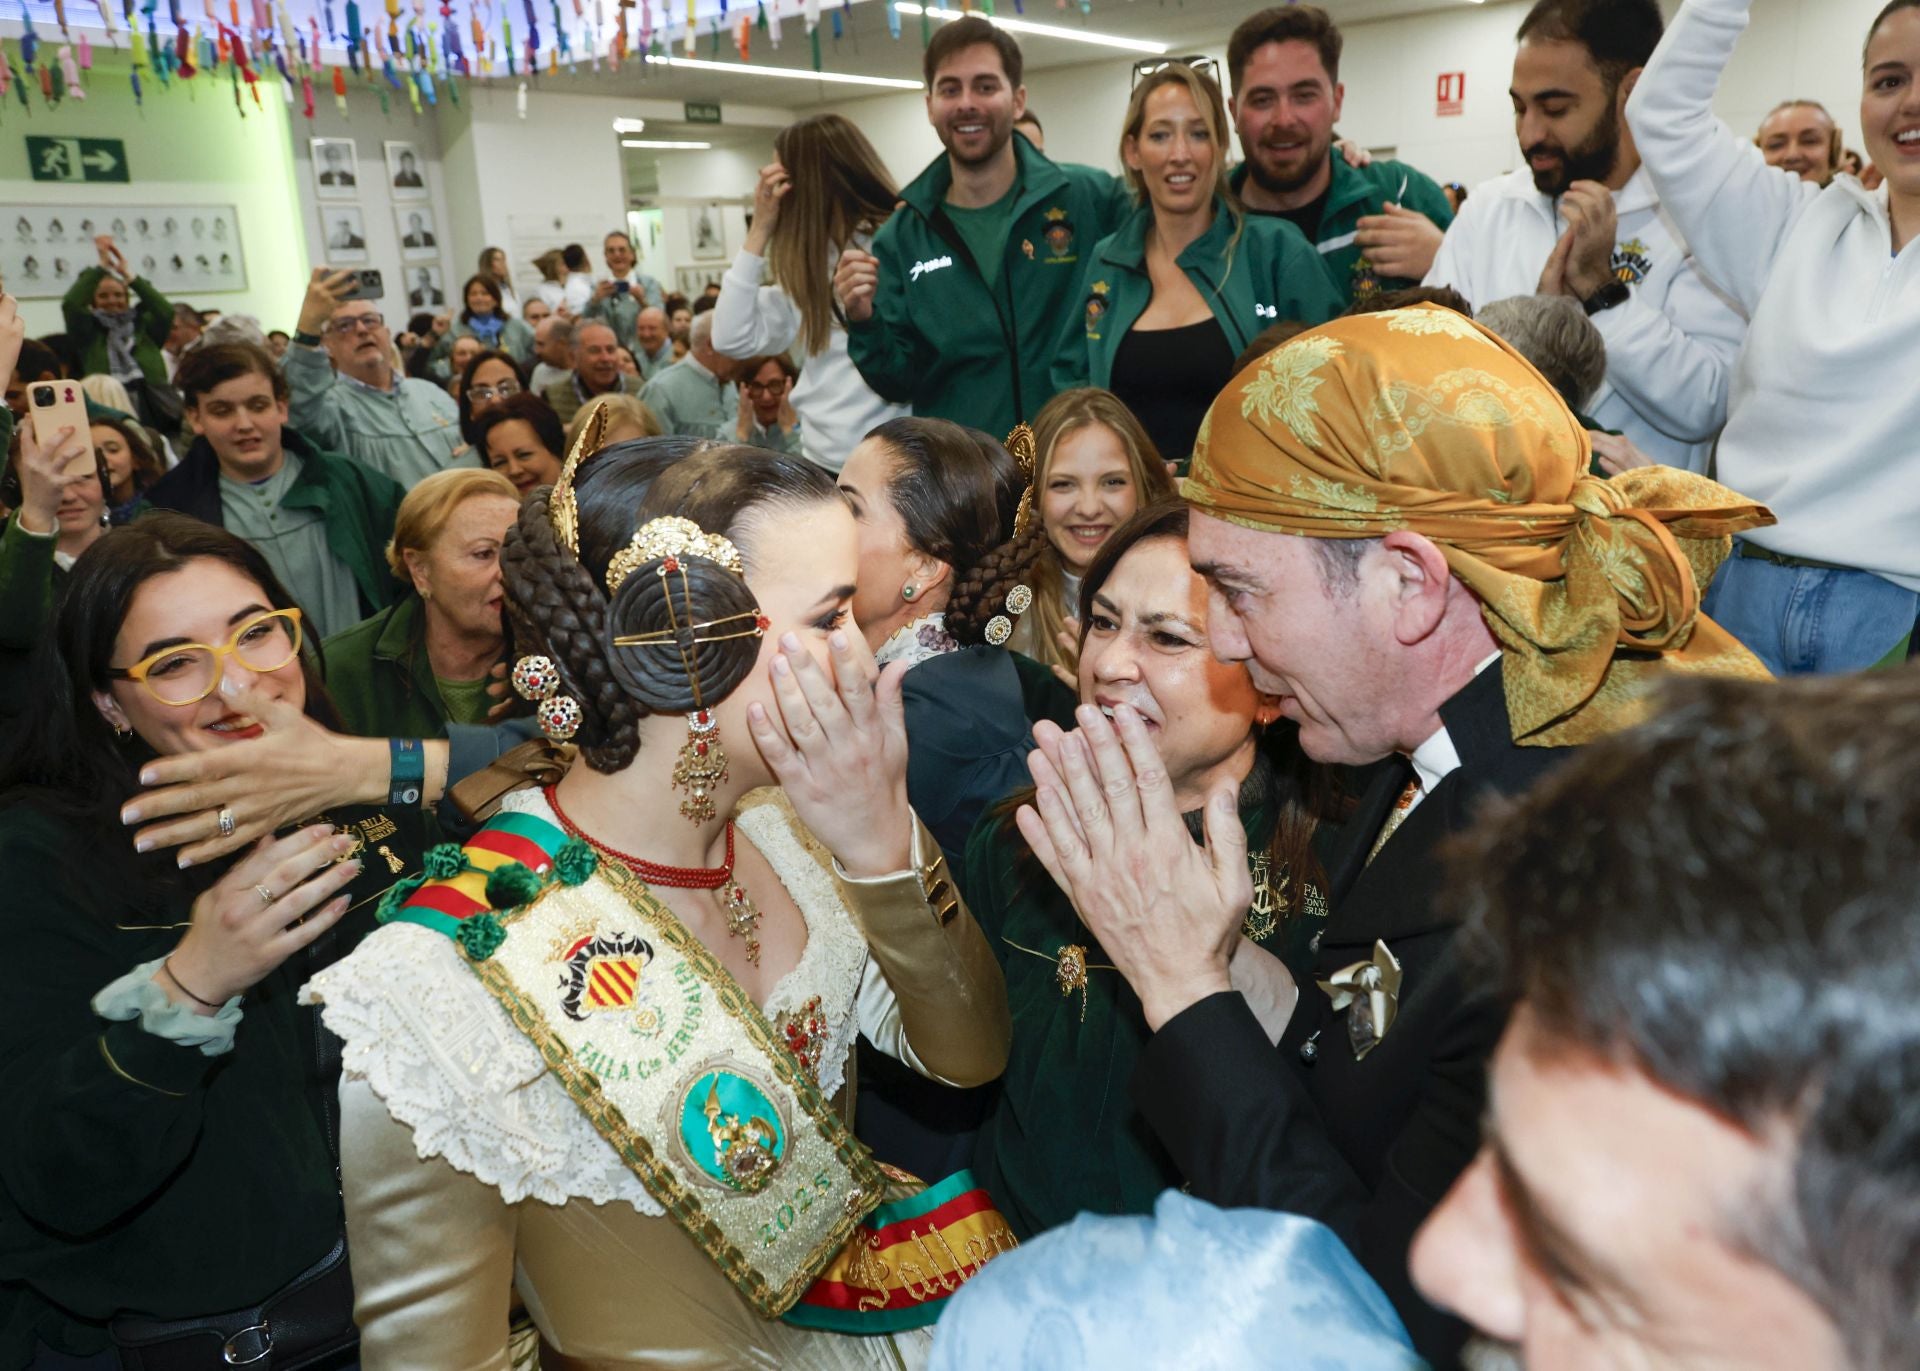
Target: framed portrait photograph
x: 178, y: 248
x: 336, y: 169
x: 707, y: 231
x: 343, y: 232
x: 426, y: 288
x: 419, y: 237
x: 406, y: 171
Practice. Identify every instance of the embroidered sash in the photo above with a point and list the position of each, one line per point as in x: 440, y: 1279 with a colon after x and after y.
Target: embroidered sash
x: 676, y: 1067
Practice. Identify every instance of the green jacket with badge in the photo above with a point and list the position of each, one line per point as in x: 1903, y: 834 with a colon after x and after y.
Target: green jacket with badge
x: 940, y: 339
x: 1269, y: 274
x: 1355, y: 193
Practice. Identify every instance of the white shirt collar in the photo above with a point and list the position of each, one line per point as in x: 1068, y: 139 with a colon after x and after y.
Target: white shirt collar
x: 1437, y: 758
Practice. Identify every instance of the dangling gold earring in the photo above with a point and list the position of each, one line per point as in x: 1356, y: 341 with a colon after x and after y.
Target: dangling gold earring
x: 702, y: 766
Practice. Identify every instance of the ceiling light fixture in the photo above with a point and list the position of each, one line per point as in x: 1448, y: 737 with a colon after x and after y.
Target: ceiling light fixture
x: 664, y: 143
x: 788, y: 73
x: 1027, y: 26
x: 629, y: 126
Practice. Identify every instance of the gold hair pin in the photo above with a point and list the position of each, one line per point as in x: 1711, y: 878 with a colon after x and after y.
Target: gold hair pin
x: 563, y: 511
x: 1022, y: 447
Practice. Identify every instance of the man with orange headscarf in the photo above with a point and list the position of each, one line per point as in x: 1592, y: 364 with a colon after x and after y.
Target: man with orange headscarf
x: 1405, y: 547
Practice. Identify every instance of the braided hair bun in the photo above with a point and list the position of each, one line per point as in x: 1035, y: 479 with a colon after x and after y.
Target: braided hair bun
x: 693, y: 616
x: 560, y: 608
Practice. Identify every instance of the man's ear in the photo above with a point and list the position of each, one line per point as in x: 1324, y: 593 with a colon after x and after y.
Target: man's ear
x: 1418, y: 594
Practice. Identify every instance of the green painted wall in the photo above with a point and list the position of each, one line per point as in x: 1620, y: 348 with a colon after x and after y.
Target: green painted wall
x: 187, y: 145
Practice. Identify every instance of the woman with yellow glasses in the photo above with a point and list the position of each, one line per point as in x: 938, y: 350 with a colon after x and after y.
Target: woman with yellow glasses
x: 174, y: 1188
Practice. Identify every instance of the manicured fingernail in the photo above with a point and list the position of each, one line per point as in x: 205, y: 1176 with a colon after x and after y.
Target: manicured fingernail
x: 757, y: 714
x: 143, y: 845
x: 1086, y: 714
x: 837, y: 641
x: 343, y: 843
x: 790, y: 642
x: 129, y: 816
x: 147, y: 777
x: 1224, y: 802
x: 185, y: 861
x: 780, y: 667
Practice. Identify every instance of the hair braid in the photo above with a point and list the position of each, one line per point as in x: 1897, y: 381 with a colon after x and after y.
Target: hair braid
x: 558, y: 611
x: 981, y: 592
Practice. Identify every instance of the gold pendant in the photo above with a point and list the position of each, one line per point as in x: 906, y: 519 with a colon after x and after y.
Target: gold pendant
x: 743, y: 921
x: 1263, y: 915
x: 1070, y: 974
x: 701, y: 766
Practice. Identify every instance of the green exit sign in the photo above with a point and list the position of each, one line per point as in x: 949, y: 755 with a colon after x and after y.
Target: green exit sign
x: 702, y: 114
x: 77, y: 159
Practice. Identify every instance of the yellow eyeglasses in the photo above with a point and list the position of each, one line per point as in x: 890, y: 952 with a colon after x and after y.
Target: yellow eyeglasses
x: 190, y: 672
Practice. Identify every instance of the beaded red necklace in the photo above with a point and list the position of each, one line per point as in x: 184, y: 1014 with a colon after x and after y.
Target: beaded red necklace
x: 743, y: 918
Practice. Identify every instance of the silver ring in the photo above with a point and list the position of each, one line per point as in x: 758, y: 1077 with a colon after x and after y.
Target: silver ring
x: 266, y: 895
x: 227, y: 825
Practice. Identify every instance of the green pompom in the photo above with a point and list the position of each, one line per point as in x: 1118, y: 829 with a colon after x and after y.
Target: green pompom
x: 397, y: 894
x: 480, y: 936
x: 444, y: 862
x: 575, y: 862
x: 513, y: 885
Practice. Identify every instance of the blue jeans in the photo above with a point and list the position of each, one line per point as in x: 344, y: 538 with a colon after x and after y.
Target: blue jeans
x: 1802, y: 620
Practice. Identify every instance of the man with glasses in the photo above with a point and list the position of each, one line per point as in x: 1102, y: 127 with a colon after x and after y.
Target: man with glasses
x: 321, y: 520
x: 349, y: 395
x: 696, y: 396
x: 1378, y: 226
x: 766, y: 419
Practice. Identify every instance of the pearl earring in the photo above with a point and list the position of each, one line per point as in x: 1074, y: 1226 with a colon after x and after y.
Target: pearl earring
x: 907, y: 592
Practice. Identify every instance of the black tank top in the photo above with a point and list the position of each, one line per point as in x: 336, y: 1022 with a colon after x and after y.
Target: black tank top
x: 1168, y: 377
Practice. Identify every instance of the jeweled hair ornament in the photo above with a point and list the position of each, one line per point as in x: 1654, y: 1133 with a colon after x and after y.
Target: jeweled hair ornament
x: 669, y: 537
x: 1023, y: 449
x: 563, y: 511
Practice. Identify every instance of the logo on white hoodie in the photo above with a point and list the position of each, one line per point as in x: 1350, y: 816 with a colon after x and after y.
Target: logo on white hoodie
x: 931, y: 264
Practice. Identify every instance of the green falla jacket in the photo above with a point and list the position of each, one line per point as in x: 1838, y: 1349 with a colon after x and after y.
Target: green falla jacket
x: 1354, y: 193
x: 939, y: 338
x: 380, y: 678
x: 1270, y: 274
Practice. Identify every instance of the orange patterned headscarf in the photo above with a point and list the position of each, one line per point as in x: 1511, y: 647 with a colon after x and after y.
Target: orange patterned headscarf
x: 1420, y: 419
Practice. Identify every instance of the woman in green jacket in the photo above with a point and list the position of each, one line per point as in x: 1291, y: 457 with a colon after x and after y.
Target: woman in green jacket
x: 1063, y: 1137
x: 166, y: 1163
x: 483, y: 318
x: 428, y: 660
x: 1172, y: 297
x: 110, y: 333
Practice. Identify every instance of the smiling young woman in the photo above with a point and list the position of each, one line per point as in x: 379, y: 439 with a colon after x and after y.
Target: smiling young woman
x: 175, y: 1168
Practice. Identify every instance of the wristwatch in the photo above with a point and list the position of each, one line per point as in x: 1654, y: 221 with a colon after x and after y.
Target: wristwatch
x: 1614, y: 292
x: 312, y: 340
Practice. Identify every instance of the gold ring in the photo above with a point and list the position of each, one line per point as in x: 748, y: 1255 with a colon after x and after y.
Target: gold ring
x: 266, y: 895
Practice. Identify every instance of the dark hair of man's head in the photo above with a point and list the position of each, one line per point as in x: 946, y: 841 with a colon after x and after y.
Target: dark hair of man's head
x: 37, y: 361
x: 1285, y: 24
x: 207, y: 367
x: 964, y: 33
x: 1727, y: 899
x: 1619, y: 35
x: 575, y: 258
x: 1027, y: 116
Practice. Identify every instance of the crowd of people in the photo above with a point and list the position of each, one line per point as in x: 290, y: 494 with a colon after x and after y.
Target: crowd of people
x: 1063, y: 770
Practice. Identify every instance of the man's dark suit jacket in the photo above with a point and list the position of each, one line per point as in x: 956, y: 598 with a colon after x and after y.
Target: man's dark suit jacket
x: 1367, y: 1147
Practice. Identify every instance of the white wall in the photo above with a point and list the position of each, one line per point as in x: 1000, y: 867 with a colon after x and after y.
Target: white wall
x: 1794, y: 49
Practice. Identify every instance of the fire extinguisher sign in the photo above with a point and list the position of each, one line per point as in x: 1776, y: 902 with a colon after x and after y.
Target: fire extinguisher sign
x: 1451, y: 94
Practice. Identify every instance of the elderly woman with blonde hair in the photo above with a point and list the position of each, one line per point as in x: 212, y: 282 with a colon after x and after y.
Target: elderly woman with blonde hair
x: 429, y: 660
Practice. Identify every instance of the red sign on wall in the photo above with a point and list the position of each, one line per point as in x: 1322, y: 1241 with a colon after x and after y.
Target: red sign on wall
x: 1451, y: 94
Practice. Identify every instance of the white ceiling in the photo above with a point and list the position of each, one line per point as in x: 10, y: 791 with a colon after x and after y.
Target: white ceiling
x: 866, y: 48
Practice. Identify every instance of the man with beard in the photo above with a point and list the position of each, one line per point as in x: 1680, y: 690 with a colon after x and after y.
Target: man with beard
x: 348, y: 396
x: 1583, y: 219
x: 965, y: 300
x: 1377, y: 227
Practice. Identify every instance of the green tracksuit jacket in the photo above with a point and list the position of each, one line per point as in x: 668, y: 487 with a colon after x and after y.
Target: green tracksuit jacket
x: 1269, y: 275
x: 943, y: 342
x: 1356, y: 193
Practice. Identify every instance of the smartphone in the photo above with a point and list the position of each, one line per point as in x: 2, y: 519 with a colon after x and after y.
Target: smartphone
x: 54, y: 405
x: 622, y: 287
x: 366, y: 285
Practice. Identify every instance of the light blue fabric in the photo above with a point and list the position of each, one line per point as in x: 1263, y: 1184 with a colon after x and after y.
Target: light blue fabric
x: 1192, y: 1287
x: 1810, y: 620
x: 137, y: 995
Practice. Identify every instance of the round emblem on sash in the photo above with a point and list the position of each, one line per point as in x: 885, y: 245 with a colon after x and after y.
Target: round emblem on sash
x: 731, y: 1129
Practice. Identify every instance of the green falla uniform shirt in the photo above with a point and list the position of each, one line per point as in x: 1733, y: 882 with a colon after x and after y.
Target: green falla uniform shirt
x: 941, y: 337
x: 1354, y: 193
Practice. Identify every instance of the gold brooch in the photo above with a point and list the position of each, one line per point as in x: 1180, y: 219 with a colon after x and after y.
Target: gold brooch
x: 1070, y: 968
x: 1269, y: 902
